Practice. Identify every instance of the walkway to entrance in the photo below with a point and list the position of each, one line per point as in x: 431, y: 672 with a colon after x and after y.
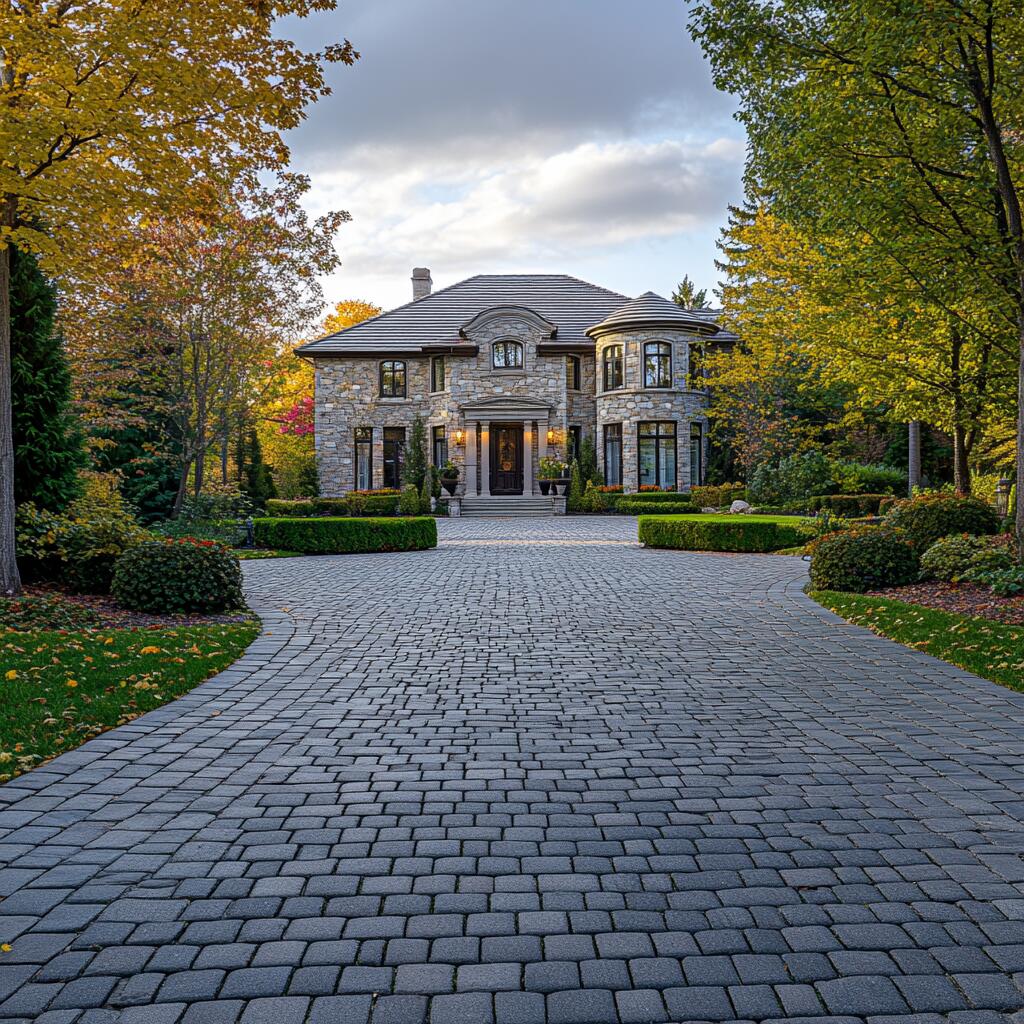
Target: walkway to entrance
x: 539, y: 774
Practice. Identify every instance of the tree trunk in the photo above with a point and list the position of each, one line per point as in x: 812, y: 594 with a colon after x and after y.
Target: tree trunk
x: 961, y: 470
x: 224, y: 455
x: 1020, y: 440
x: 913, y: 456
x: 10, y: 579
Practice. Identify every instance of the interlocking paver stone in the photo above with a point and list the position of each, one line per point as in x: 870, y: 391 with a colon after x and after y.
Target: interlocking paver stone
x: 538, y: 775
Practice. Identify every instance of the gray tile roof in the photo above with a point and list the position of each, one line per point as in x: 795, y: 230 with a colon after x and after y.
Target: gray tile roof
x: 573, y: 305
x: 569, y: 303
x: 652, y: 311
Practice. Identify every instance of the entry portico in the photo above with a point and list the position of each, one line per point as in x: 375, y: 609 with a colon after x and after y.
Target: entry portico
x: 506, y: 437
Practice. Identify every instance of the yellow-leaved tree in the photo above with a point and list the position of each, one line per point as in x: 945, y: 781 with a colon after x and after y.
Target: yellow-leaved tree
x: 285, y: 418
x: 119, y: 107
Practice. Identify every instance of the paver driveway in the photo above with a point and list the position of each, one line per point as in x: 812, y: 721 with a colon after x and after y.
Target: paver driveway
x: 540, y: 774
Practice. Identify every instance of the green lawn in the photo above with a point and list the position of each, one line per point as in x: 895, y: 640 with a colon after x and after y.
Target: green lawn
x: 988, y: 649
x: 62, y: 688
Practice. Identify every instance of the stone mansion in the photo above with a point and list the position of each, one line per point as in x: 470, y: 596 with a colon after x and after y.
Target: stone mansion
x: 507, y: 369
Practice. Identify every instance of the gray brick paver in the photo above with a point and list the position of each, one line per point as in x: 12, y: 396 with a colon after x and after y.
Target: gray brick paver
x: 537, y: 775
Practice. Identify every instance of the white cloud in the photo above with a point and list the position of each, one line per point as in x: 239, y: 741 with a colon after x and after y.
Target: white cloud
x: 538, y: 211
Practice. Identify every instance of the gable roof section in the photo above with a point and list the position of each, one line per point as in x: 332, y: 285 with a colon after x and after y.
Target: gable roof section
x: 570, y: 304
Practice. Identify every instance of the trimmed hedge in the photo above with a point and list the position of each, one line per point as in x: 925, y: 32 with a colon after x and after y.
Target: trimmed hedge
x: 735, y: 535
x: 656, y: 497
x: 849, y: 506
x: 336, y: 536
x: 655, y: 508
x: 353, y: 505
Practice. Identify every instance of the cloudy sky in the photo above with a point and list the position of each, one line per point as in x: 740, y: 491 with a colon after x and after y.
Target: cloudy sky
x: 483, y: 136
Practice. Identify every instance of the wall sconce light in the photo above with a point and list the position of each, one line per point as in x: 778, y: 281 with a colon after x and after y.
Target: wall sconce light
x: 551, y: 437
x: 460, y: 436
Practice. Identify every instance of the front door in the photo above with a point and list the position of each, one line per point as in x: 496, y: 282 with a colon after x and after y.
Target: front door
x: 506, y: 458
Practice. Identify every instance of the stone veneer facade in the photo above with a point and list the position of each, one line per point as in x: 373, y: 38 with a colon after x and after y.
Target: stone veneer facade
x: 476, y: 395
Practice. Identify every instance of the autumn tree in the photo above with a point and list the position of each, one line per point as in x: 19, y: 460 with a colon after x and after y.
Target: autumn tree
x: 826, y: 323
x: 113, y: 109
x: 900, y: 123
x: 348, y: 313
x: 212, y: 296
x: 284, y: 417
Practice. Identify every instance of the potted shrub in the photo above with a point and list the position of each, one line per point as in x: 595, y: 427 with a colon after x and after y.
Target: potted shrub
x: 449, y: 476
x: 549, y: 472
x: 564, y: 479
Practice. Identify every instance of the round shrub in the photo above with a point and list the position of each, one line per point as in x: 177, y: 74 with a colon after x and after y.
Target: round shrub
x: 949, y: 558
x: 183, y: 575
x: 860, y: 560
x: 929, y: 517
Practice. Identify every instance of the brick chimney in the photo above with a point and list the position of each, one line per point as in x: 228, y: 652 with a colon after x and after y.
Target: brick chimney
x: 421, y: 283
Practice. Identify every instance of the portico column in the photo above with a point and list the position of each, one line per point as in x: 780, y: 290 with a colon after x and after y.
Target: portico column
x: 542, y: 438
x: 471, y: 457
x: 485, y: 458
x: 528, y: 457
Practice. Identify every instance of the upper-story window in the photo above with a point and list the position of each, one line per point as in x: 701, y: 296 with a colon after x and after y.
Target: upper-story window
x: 506, y: 355
x: 437, y: 373
x: 572, y: 373
x: 657, y: 364
x: 392, y: 378
x: 613, y: 374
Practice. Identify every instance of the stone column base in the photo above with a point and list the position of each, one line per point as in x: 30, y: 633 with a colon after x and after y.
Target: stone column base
x: 558, y: 504
x: 454, y: 508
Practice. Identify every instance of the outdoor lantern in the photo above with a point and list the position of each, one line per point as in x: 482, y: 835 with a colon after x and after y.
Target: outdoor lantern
x: 459, y: 436
x: 551, y: 437
x: 1003, y: 495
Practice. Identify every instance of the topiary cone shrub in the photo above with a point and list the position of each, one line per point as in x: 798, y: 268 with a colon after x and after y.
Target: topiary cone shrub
x: 860, y: 560
x: 927, y: 518
x: 182, y: 575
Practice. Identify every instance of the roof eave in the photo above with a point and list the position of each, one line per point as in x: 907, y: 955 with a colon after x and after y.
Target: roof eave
x: 702, y: 328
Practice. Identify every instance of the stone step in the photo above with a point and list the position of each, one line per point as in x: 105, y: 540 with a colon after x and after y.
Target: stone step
x: 507, y: 505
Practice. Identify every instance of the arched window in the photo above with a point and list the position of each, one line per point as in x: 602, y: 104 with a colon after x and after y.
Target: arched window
x: 657, y: 364
x: 612, y: 368
x: 392, y: 378
x: 506, y: 355
x: 572, y: 373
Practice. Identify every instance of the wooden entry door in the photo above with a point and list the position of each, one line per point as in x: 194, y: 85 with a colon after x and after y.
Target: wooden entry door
x: 506, y: 458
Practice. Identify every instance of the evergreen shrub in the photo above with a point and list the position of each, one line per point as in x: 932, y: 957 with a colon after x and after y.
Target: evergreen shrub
x: 927, y: 518
x: 860, y: 560
x: 734, y: 534
x: 330, y: 536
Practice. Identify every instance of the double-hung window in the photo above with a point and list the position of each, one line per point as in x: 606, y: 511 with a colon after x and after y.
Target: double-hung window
x: 656, y: 454
x: 364, y: 458
x: 613, y: 373
x: 572, y: 373
x: 439, y: 443
x: 696, y: 455
x: 437, y: 373
x: 394, y: 451
x: 392, y: 378
x: 613, y: 454
x: 657, y: 364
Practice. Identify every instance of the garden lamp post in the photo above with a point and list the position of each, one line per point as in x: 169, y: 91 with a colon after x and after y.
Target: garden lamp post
x: 1003, y: 488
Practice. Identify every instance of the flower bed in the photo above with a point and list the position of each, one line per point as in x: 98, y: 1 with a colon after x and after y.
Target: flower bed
x: 335, y: 536
x: 655, y: 508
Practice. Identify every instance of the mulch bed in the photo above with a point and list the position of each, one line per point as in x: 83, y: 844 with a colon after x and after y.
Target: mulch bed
x: 959, y: 598
x: 50, y: 607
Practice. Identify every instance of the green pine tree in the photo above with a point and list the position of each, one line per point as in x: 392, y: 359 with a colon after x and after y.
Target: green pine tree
x: 576, y: 487
x: 48, y: 446
x: 414, y: 468
x: 689, y: 296
x: 257, y: 481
